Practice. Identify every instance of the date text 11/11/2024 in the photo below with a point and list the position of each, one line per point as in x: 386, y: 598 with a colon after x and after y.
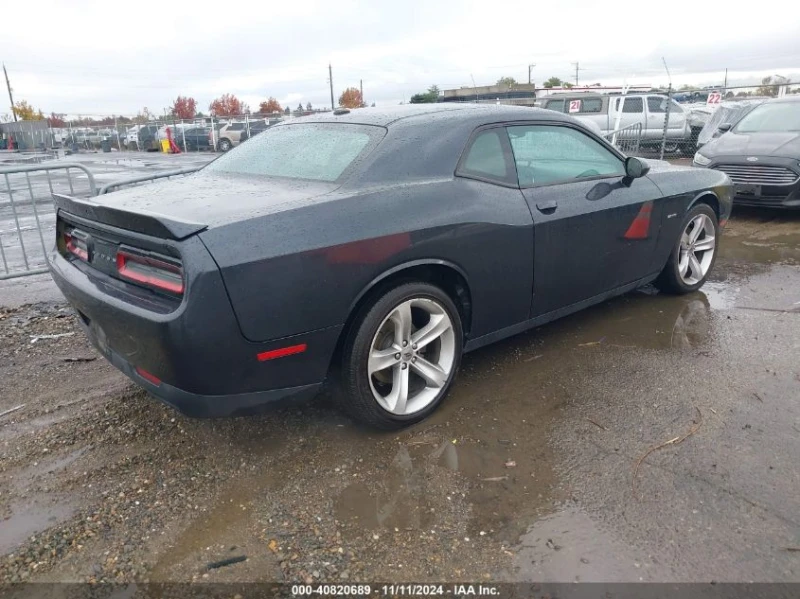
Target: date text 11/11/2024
x: 396, y: 590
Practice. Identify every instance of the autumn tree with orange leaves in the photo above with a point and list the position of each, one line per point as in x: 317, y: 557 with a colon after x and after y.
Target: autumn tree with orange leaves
x: 184, y: 108
x: 269, y: 106
x: 228, y: 105
x: 351, y: 98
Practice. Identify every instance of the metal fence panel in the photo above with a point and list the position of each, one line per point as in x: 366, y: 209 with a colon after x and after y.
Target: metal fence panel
x: 27, y: 217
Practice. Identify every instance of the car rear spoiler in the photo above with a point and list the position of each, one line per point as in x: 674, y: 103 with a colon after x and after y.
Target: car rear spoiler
x: 145, y: 223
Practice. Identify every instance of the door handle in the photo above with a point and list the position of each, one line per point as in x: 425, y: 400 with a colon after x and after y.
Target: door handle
x: 547, y: 207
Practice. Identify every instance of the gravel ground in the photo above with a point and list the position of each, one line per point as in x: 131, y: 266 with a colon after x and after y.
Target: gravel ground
x: 524, y: 474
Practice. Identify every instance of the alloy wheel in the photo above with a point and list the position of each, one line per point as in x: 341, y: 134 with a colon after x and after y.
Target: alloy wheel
x: 411, y: 356
x: 697, y: 248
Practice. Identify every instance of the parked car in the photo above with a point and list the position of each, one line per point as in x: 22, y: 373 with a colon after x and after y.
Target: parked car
x: 194, y: 139
x: 131, y: 138
x: 729, y: 111
x: 148, y: 138
x: 761, y: 154
x: 230, y: 136
x: 373, y: 248
x: 256, y: 127
x: 645, y: 109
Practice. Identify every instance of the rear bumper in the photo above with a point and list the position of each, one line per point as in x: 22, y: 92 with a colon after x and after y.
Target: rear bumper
x: 203, y: 364
x: 196, y: 405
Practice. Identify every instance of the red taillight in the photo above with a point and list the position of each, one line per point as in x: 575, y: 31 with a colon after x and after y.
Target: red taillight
x: 150, y: 271
x: 282, y: 352
x: 150, y: 378
x: 76, y: 247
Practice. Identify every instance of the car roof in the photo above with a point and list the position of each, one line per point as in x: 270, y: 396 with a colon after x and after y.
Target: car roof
x: 463, y: 112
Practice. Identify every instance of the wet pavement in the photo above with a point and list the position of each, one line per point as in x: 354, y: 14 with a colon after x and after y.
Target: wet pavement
x: 651, y: 438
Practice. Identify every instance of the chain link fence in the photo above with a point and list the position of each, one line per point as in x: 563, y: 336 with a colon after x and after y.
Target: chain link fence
x: 203, y: 134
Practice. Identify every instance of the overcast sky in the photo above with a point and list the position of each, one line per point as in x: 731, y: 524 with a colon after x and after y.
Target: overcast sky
x: 109, y: 57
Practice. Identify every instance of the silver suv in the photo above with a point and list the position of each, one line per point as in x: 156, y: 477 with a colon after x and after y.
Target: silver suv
x: 645, y: 109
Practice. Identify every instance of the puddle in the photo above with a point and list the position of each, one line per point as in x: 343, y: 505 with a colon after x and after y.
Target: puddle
x: 568, y: 547
x: 17, y: 429
x: 223, y: 522
x: 721, y: 296
x: 131, y: 163
x: 400, y: 499
x: 28, y: 518
x: 44, y: 467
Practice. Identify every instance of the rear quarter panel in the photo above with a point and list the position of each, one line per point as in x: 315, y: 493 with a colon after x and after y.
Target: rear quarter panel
x: 303, y: 269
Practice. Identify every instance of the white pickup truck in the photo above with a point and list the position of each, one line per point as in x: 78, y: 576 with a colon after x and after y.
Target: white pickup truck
x: 647, y: 109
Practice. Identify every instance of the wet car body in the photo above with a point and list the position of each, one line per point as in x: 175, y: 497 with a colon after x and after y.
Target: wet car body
x: 763, y: 164
x: 274, y: 272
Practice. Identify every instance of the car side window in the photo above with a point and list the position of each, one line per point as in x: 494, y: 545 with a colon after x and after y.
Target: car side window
x: 657, y: 104
x: 591, y: 105
x: 485, y: 157
x: 557, y: 105
x: 632, y: 105
x: 546, y: 154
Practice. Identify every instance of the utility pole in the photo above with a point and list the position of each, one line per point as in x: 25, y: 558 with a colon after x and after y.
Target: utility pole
x: 330, y: 78
x: 530, y: 68
x: 577, y: 68
x: 725, y: 85
x: 10, y: 96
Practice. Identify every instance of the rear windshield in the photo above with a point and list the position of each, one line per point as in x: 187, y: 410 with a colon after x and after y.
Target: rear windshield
x: 771, y: 117
x: 315, y: 151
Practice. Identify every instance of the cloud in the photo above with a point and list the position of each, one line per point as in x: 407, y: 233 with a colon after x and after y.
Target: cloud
x: 96, y: 63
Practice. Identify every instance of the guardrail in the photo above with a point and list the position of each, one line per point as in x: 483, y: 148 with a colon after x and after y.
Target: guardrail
x: 27, y: 214
x: 18, y: 256
x: 626, y: 139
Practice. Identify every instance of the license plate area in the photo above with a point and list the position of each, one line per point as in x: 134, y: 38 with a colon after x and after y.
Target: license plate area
x: 747, y: 189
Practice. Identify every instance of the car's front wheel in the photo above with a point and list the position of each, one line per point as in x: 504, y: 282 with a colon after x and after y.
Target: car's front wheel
x: 694, y: 253
x: 225, y: 145
x: 401, y: 357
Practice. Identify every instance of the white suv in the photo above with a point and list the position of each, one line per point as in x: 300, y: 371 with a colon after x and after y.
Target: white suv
x: 230, y: 136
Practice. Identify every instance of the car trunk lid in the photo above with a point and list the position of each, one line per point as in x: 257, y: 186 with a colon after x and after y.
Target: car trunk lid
x: 183, y: 207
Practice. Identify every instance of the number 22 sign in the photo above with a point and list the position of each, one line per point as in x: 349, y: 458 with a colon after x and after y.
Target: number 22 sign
x: 714, y: 98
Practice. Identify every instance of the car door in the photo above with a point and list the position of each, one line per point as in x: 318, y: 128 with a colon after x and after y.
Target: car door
x: 594, y: 229
x: 656, y: 112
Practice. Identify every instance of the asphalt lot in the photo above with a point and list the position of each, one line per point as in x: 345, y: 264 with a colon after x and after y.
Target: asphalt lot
x: 22, y: 247
x: 528, y: 472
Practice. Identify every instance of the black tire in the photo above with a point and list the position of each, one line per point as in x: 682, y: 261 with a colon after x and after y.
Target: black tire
x: 670, y: 280
x: 225, y: 145
x: 354, y: 394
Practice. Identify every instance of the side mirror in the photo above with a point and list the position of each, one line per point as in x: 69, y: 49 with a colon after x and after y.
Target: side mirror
x: 635, y: 168
x: 725, y: 127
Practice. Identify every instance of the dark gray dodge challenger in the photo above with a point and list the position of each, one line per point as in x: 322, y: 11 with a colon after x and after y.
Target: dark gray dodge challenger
x: 373, y: 248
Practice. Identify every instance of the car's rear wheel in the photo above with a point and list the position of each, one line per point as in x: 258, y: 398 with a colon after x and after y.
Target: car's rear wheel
x: 225, y: 145
x: 401, y: 357
x: 694, y: 253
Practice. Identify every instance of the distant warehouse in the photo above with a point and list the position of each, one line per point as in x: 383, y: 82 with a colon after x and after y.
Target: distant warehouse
x: 521, y: 94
